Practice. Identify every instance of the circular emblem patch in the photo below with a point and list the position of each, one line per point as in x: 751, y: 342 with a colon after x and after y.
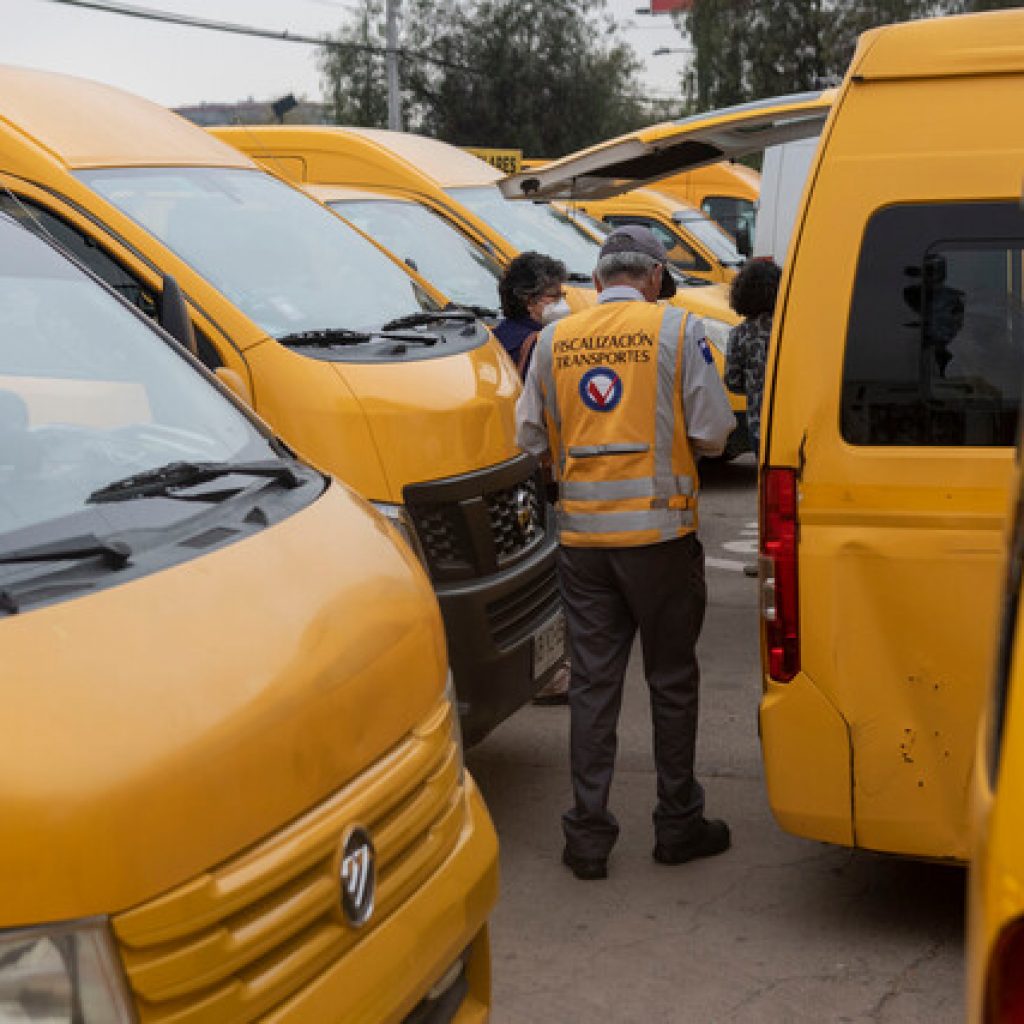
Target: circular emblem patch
x: 601, y: 389
x: 358, y: 871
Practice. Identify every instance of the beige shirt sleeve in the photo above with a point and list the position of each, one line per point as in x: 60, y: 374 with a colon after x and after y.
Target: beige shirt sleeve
x: 531, y: 427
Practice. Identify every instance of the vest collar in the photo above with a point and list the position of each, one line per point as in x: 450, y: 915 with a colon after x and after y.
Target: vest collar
x: 620, y: 293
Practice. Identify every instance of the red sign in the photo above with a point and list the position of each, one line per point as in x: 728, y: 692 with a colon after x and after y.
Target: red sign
x: 667, y: 6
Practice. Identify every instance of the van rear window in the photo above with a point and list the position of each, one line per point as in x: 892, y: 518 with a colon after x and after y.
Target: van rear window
x: 935, y: 345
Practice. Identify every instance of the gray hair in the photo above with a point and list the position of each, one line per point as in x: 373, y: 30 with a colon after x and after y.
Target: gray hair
x: 615, y: 265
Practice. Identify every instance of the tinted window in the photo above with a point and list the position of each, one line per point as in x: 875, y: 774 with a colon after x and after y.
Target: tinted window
x: 730, y: 213
x: 935, y: 345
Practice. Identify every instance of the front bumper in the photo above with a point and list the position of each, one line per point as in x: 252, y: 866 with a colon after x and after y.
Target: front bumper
x: 387, y: 976
x: 491, y: 624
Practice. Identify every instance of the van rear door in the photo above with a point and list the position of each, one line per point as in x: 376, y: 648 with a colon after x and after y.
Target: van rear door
x: 648, y: 154
x: 895, y: 398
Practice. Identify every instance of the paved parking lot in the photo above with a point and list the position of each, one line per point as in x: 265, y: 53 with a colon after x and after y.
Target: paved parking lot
x: 777, y: 930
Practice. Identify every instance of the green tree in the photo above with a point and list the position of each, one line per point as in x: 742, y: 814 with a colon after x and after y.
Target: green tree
x: 352, y: 70
x: 545, y: 76
x: 750, y: 49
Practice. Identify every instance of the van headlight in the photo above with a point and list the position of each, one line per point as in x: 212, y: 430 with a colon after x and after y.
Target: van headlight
x: 717, y: 332
x: 398, y: 516
x: 62, y: 974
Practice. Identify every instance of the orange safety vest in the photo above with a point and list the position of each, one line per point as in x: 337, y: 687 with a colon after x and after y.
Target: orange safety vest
x: 611, y: 379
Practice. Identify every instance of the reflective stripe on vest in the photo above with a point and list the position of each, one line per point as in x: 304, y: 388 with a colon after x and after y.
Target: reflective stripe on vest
x: 640, y: 489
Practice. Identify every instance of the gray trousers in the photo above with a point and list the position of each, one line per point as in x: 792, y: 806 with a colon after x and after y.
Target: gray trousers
x: 610, y: 593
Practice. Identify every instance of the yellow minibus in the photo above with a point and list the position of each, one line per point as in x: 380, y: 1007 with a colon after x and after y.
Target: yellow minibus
x: 342, y: 349
x: 891, y: 408
x: 232, y: 784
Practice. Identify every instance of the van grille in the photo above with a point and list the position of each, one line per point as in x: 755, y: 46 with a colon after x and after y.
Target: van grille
x: 521, y: 613
x: 478, y: 524
x: 237, y: 941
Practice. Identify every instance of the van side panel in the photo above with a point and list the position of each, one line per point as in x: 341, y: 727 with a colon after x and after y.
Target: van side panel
x: 899, y: 546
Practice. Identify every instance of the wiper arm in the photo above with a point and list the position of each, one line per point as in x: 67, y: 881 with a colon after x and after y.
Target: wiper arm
x: 428, y: 317
x: 454, y: 307
x: 578, y: 277
x: 326, y: 336
x: 157, y: 481
x: 88, y: 545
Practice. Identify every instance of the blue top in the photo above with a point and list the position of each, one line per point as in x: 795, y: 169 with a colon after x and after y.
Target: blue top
x: 513, y: 332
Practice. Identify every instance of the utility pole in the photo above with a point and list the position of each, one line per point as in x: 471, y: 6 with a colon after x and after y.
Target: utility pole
x: 394, y: 87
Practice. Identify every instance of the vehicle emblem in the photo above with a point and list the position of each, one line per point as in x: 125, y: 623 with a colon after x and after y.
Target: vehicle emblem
x: 358, y: 876
x: 522, y: 506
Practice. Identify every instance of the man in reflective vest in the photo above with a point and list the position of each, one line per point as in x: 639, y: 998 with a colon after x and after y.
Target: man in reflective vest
x: 624, y: 396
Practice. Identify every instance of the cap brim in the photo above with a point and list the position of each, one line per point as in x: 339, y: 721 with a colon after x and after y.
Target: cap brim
x: 668, y: 284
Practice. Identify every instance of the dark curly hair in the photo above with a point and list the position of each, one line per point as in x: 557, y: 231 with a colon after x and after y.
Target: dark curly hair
x: 528, y: 276
x: 755, y: 288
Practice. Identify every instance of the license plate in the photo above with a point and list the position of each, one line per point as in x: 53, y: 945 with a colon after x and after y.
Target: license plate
x: 548, y: 646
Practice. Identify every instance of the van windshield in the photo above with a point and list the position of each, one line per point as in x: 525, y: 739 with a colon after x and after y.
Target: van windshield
x: 89, y: 395
x: 537, y: 226
x: 288, y: 263
x: 429, y: 244
x: 711, y: 235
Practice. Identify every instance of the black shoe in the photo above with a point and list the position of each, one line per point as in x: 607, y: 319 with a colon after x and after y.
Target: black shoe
x: 586, y: 869
x: 710, y: 839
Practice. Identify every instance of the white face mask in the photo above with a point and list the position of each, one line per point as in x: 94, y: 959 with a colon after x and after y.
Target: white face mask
x: 554, y: 311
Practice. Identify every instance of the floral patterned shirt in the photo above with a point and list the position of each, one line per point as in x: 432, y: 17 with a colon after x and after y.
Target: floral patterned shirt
x: 745, y: 357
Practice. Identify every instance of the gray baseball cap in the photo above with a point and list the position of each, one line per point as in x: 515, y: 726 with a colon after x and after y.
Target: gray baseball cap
x: 636, y: 238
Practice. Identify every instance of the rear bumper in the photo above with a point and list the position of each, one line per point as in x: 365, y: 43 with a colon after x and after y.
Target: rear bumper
x: 490, y: 624
x: 388, y: 975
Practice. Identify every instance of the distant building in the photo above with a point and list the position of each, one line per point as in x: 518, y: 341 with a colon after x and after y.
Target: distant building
x: 252, y: 111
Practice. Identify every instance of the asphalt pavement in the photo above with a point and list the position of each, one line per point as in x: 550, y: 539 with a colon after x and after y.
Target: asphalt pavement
x: 779, y: 929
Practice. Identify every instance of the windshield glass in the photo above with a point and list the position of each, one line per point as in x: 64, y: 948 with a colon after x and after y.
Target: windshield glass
x: 429, y: 244
x: 89, y: 394
x: 708, y: 232
x: 283, y: 259
x: 536, y: 226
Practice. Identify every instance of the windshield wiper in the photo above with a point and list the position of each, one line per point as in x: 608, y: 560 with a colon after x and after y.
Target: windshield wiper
x: 87, y: 545
x: 155, y: 482
x: 577, y: 277
x: 326, y: 336
x: 428, y: 317
x: 454, y: 307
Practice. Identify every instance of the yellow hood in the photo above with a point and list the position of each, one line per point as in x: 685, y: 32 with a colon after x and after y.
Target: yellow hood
x: 155, y: 728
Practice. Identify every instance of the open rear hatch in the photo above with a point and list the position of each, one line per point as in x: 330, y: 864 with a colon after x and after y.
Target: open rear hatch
x: 647, y: 154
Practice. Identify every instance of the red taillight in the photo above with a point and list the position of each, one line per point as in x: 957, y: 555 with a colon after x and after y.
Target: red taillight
x: 1004, y: 991
x: 779, y: 607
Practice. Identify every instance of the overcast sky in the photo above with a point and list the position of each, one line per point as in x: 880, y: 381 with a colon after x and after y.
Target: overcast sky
x: 175, y: 65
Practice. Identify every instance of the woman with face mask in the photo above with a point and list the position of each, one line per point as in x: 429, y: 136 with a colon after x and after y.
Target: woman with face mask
x: 531, y: 297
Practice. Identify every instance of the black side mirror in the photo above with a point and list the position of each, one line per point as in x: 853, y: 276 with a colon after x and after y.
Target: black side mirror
x: 172, y: 315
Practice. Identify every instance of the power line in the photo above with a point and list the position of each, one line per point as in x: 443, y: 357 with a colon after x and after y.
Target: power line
x: 187, y: 21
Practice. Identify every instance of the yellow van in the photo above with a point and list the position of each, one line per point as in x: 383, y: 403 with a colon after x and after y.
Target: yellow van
x: 726, y: 192
x: 995, y: 946
x: 891, y: 408
x: 696, y: 245
x: 232, y: 787
x: 382, y: 182
x: 341, y: 349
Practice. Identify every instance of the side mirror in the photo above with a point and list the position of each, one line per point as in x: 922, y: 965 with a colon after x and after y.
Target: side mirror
x: 172, y: 315
x: 743, y: 240
x: 235, y: 383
